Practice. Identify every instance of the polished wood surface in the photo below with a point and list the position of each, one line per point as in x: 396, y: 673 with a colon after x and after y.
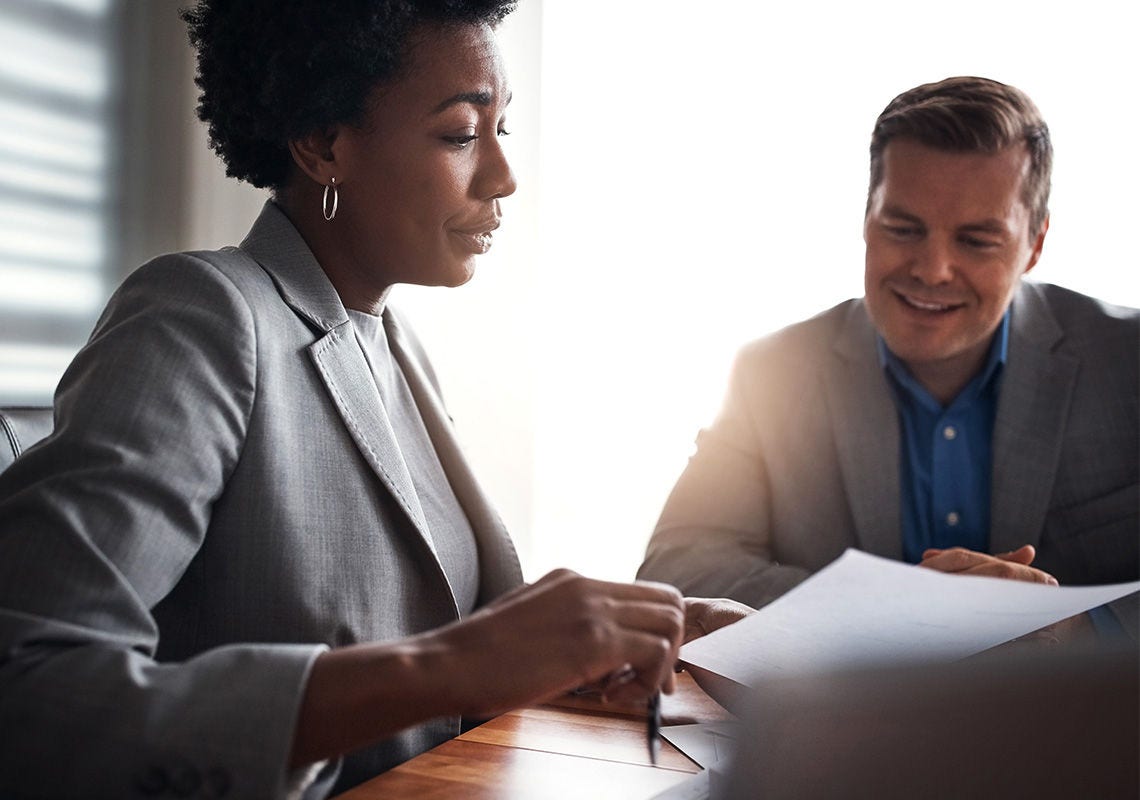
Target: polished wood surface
x: 573, y: 747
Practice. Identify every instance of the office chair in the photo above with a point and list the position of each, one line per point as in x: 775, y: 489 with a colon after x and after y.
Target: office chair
x: 20, y: 428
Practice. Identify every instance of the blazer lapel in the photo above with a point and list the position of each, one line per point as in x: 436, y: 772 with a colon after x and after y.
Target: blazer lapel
x: 1036, y: 390
x: 865, y: 423
x: 350, y: 384
x: 498, y: 562
x: 279, y: 249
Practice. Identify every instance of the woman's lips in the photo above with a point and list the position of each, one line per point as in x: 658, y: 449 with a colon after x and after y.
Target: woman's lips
x: 478, y: 238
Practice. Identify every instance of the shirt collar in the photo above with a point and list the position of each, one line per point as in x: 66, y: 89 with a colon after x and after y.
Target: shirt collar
x: 998, y: 353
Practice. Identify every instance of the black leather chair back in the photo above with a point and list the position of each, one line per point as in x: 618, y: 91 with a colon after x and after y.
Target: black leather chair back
x: 20, y: 428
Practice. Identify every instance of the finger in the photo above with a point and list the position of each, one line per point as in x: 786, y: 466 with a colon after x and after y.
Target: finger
x: 566, y: 580
x: 722, y: 612
x: 956, y: 559
x: 657, y: 618
x: 961, y: 561
x: 1022, y: 555
x: 1012, y: 571
x: 652, y: 658
x: 704, y: 615
x: 640, y: 590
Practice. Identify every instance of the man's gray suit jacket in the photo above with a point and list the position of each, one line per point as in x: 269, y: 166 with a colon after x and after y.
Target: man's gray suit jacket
x: 803, y: 460
x: 221, y: 499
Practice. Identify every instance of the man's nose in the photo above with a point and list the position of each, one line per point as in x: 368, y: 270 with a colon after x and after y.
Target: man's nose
x: 934, y: 263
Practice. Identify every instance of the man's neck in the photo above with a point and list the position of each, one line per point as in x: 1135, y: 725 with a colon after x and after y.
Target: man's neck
x: 946, y: 379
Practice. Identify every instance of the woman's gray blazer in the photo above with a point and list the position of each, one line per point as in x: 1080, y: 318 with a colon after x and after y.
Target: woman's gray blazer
x: 221, y: 499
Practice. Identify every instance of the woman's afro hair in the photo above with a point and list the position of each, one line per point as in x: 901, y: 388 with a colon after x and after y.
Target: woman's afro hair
x: 272, y: 71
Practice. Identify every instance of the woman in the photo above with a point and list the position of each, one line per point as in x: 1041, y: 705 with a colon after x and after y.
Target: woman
x: 251, y: 453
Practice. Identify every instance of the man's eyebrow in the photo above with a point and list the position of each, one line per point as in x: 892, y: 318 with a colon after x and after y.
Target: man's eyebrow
x: 474, y: 98
x: 898, y: 213
x: 987, y: 226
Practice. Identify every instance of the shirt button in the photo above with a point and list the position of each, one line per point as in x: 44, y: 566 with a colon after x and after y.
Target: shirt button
x: 949, y: 432
x: 952, y: 518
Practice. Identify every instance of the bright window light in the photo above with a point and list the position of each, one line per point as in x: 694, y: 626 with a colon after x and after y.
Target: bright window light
x: 703, y: 179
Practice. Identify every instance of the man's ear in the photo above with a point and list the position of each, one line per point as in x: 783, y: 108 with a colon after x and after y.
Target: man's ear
x: 315, y: 155
x: 1038, y: 245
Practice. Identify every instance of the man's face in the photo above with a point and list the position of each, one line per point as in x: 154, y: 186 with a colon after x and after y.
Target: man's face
x: 947, y: 241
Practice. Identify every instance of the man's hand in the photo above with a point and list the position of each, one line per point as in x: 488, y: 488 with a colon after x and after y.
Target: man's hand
x: 1013, y: 565
x: 704, y: 615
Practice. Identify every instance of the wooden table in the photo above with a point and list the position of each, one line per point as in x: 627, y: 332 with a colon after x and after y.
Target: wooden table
x: 574, y: 747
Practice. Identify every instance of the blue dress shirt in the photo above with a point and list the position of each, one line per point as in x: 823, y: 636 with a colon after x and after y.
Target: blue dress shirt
x: 946, y: 461
x: 946, y: 454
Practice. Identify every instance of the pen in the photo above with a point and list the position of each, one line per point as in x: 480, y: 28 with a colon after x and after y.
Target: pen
x: 654, y: 726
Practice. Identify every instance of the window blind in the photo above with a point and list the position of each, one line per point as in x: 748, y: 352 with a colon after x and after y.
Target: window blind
x: 57, y: 199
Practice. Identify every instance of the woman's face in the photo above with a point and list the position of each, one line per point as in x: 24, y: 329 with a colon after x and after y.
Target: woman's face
x: 420, y: 181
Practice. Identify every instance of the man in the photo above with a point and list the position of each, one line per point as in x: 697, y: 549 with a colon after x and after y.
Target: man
x: 955, y: 416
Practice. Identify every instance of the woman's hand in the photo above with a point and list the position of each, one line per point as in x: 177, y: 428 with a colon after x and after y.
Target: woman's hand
x: 562, y: 632
x: 527, y: 646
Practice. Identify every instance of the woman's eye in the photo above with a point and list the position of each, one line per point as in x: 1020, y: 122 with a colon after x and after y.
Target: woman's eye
x: 504, y: 132
x: 461, y: 141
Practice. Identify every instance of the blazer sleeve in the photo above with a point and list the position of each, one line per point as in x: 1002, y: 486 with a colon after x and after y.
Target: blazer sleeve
x: 98, y: 523
x: 714, y: 536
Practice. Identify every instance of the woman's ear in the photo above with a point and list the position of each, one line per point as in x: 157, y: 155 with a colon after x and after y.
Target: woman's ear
x: 315, y: 155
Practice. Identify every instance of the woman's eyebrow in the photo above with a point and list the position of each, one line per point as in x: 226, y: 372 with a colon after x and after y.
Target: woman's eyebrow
x: 480, y: 98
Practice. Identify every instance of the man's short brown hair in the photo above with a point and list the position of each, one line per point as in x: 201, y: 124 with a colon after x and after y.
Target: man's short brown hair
x: 970, y: 115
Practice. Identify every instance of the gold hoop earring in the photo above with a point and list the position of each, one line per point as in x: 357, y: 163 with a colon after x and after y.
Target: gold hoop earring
x: 330, y: 213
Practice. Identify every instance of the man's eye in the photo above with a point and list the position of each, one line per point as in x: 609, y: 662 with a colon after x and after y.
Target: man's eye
x: 978, y: 244
x: 901, y: 231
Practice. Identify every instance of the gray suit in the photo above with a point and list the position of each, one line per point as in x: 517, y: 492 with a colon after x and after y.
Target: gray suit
x: 803, y: 460
x: 221, y: 499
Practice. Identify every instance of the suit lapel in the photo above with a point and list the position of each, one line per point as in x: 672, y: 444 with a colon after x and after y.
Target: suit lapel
x: 350, y: 384
x: 1036, y: 390
x: 279, y: 249
x: 865, y: 423
x: 498, y: 563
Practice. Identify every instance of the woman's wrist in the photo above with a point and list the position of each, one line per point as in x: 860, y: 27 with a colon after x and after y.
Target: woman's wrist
x: 363, y: 693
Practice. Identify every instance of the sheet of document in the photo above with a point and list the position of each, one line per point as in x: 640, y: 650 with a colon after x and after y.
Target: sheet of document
x: 862, y: 609
x: 705, y: 743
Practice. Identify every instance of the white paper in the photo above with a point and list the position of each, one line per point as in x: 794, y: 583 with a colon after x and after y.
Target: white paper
x: 704, y: 742
x: 695, y: 788
x: 862, y: 609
